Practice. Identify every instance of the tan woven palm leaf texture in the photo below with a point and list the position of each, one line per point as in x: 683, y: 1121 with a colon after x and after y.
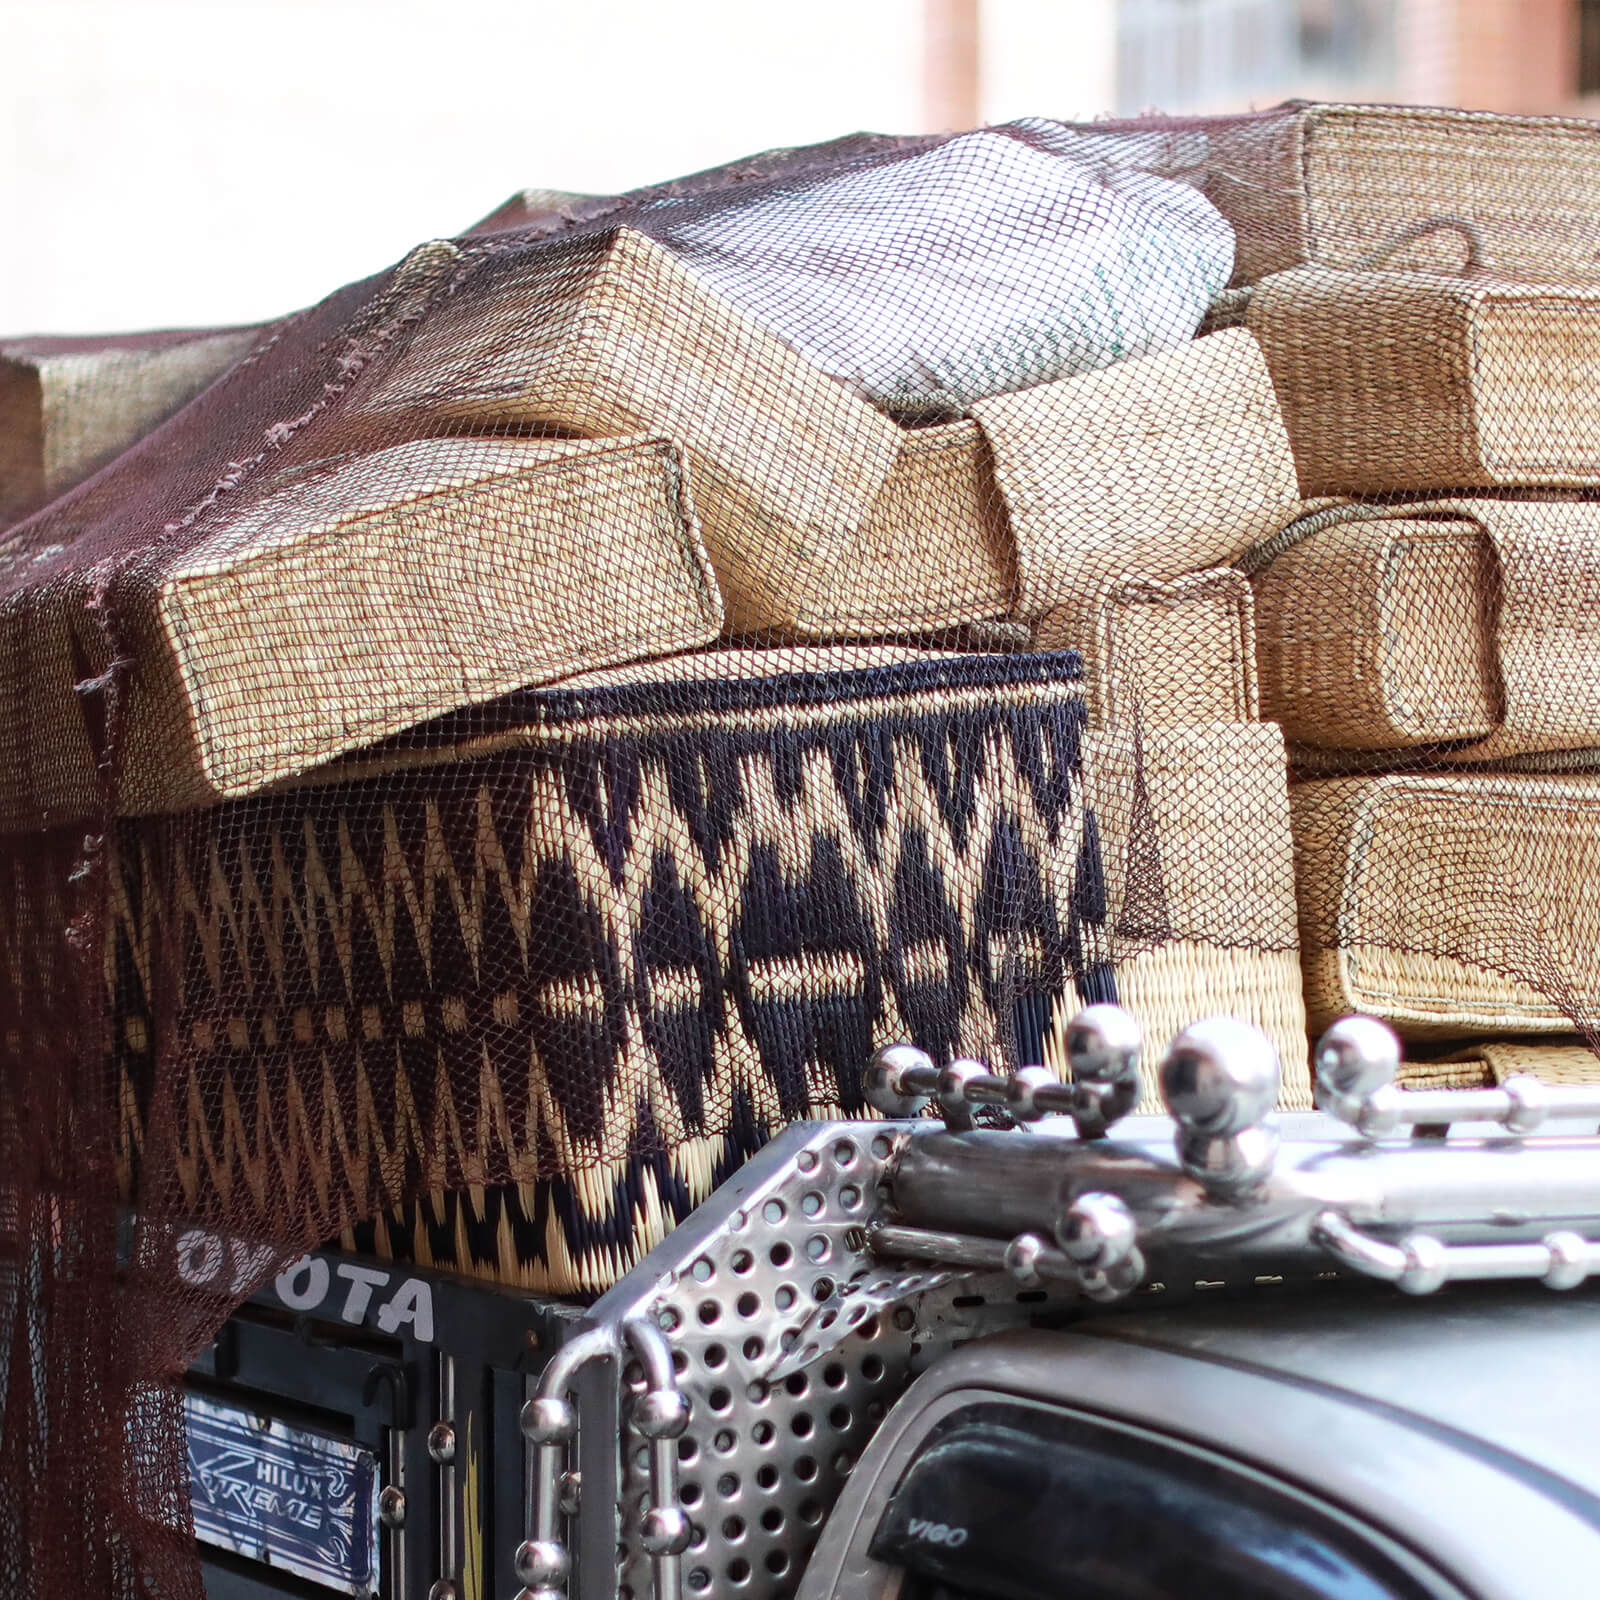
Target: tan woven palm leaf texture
x: 479, y: 755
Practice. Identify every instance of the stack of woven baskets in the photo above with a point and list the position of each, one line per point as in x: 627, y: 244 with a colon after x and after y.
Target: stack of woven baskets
x: 557, y: 754
x: 545, y: 731
x: 1425, y: 288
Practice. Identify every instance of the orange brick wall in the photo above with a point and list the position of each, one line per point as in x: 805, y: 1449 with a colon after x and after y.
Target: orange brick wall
x: 1494, y: 55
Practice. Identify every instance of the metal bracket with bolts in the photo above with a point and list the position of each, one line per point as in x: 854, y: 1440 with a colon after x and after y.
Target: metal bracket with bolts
x: 1219, y: 1079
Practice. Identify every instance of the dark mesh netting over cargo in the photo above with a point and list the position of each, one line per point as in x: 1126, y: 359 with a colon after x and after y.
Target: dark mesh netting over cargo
x: 480, y: 755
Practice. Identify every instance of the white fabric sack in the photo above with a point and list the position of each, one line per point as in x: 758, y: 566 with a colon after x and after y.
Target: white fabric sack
x: 995, y: 261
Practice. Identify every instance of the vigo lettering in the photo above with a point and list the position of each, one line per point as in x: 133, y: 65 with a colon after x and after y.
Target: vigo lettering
x: 940, y: 1533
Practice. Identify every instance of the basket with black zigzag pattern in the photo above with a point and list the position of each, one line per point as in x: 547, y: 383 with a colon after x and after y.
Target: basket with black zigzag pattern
x: 515, y: 1004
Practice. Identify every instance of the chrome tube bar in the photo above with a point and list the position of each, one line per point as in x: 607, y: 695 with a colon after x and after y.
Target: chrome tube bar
x: 1519, y: 1105
x: 902, y: 1079
x: 901, y: 1243
x: 660, y: 1416
x: 1102, y: 1045
x: 1226, y: 1196
x: 1358, y: 1058
x: 991, y: 1183
x: 1420, y: 1263
x: 1097, y: 1251
x: 543, y: 1561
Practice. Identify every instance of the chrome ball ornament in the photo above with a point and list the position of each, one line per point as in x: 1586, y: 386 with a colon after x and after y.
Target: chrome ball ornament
x: 665, y: 1531
x: 1022, y: 1259
x: 1022, y: 1092
x: 1097, y: 1231
x: 1220, y: 1077
x: 1354, y: 1060
x: 546, y: 1420
x: 660, y: 1413
x: 953, y: 1084
x: 890, y: 1075
x: 542, y: 1563
x: 1103, y: 1045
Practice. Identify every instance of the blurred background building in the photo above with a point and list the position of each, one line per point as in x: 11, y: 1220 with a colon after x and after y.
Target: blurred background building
x: 171, y: 162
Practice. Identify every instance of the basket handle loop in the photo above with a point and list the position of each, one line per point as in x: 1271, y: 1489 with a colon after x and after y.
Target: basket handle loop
x: 1477, y: 252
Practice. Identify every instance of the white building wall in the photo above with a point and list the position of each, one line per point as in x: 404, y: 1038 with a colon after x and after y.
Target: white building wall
x: 184, y: 162
x: 1055, y: 58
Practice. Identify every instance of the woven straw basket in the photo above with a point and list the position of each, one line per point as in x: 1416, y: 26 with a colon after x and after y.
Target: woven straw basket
x: 1466, y: 1071
x: 1191, y: 802
x: 939, y: 511
x: 831, y: 521
x: 1151, y: 468
x: 1408, y: 381
x: 1474, y: 623
x: 1194, y: 831
x: 1431, y: 901
x: 603, y: 952
x: 1375, y: 632
x: 331, y: 613
x: 67, y: 406
x: 1166, y: 654
x: 801, y: 518
x: 1330, y: 184
x: 1201, y: 921
x: 1494, y: 1061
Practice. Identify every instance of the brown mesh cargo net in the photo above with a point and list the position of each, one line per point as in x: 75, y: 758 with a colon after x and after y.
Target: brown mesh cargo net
x: 523, y: 730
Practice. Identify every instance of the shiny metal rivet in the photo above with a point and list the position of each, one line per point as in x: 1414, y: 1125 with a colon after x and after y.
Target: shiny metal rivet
x: 1530, y: 1104
x: 1022, y: 1259
x: 443, y: 1589
x: 953, y: 1081
x: 392, y: 1507
x: 1097, y: 1231
x: 660, y: 1413
x: 1569, y: 1260
x: 1379, y: 1114
x: 1427, y: 1264
x: 441, y: 1443
x: 1220, y: 1076
x: 541, y: 1563
x: 1354, y: 1059
x: 546, y: 1420
x: 1115, y: 1283
x: 886, y: 1089
x: 1022, y: 1092
x: 665, y: 1531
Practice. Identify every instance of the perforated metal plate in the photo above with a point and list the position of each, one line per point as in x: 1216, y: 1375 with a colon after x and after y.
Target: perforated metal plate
x: 791, y: 1342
